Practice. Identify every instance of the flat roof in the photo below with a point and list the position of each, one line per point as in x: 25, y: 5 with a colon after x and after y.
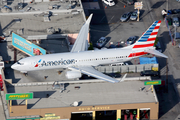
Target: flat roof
x: 102, y: 93
x: 33, y: 24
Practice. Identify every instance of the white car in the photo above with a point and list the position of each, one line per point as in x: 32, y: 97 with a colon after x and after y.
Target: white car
x: 101, y: 42
x: 109, y: 2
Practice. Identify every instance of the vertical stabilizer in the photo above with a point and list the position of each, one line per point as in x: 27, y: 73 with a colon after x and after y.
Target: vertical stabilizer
x: 148, y: 38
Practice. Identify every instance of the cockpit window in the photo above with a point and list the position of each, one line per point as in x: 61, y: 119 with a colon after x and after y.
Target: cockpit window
x: 20, y: 63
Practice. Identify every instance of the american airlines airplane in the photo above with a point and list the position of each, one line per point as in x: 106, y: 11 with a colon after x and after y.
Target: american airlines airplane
x: 79, y: 60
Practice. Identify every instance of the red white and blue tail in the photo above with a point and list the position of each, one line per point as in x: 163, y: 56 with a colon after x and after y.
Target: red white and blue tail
x: 148, y: 38
x: 145, y: 44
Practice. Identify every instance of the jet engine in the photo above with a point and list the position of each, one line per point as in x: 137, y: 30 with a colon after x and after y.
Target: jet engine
x: 73, y: 74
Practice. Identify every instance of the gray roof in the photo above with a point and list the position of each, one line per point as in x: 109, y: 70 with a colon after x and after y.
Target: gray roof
x: 102, y: 93
x: 33, y: 24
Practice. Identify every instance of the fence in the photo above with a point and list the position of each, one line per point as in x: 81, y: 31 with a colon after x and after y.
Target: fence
x: 126, y: 68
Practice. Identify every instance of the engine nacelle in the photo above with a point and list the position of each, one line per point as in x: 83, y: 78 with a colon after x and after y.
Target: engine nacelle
x: 73, y: 74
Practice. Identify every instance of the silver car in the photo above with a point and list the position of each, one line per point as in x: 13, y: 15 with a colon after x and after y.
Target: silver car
x: 175, y: 22
x: 125, y: 16
x: 101, y: 42
x: 134, y: 15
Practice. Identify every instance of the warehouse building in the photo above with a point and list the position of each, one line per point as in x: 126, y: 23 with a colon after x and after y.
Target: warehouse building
x: 83, y: 99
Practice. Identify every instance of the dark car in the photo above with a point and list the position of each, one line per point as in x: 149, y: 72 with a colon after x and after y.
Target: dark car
x: 149, y: 73
x: 131, y: 40
x: 20, y: 5
x: 158, y: 47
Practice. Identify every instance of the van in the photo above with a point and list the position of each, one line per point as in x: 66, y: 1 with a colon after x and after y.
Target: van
x: 175, y: 22
x: 119, y: 64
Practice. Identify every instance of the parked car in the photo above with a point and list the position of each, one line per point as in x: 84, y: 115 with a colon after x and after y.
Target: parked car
x: 125, y: 16
x: 175, y: 22
x: 101, y: 42
x: 176, y: 11
x: 134, y: 15
x: 131, y: 40
x: 129, y: 2
x: 149, y: 73
x: 112, y: 46
x: 158, y: 47
x: 20, y: 6
x: 28, y: 8
x: 109, y: 2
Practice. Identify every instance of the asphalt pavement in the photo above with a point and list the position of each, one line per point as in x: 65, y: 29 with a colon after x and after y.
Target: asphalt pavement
x: 168, y: 95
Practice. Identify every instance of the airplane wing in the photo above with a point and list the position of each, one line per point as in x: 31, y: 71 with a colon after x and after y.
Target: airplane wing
x: 81, y: 41
x: 155, y: 52
x: 89, y: 70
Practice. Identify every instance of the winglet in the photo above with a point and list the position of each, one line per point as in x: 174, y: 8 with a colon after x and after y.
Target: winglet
x: 89, y: 19
x: 81, y: 40
x: 122, y: 79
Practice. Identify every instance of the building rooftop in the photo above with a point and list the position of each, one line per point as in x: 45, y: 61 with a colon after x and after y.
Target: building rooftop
x: 87, y: 94
x: 34, y: 24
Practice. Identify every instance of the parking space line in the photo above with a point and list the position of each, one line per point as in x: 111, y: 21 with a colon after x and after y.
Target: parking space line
x: 111, y: 19
x: 102, y: 19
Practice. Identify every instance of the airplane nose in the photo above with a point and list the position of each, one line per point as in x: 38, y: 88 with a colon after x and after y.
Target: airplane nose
x: 13, y: 66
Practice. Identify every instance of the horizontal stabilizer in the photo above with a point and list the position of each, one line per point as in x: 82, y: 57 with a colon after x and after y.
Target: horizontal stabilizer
x: 155, y: 52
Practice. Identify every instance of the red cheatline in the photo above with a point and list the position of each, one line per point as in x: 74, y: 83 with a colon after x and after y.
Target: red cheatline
x: 137, y: 54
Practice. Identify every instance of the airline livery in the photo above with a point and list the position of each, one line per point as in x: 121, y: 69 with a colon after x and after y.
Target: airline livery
x: 79, y: 60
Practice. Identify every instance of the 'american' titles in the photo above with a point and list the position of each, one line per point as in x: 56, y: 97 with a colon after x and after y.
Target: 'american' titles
x: 59, y: 62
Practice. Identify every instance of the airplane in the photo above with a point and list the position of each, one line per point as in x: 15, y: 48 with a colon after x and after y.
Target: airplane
x: 79, y: 60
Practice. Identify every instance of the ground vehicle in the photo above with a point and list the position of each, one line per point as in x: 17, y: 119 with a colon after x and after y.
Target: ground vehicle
x: 125, y: 16
x: 119, y: 64
x: 129, y: 2
x: 158, y: 47
x: 101, y: 42
x: 149, y: 73
x: 29, y: 8
x: 134, y: 15
x: 109, y: 2
x: 131, y: 40
x: 175, y: 21
x: 20, y: 6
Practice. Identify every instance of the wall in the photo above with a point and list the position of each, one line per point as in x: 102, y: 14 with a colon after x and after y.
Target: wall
x: 126, y: 68
x: 65, y: 113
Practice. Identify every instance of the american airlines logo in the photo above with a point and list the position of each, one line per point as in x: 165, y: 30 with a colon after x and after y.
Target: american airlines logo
x: 54, y: 63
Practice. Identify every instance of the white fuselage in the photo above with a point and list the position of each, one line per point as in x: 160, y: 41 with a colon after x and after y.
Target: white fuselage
x: 63, y: 60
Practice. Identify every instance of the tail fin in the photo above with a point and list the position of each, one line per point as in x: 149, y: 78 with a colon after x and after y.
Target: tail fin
x: 148, y: 38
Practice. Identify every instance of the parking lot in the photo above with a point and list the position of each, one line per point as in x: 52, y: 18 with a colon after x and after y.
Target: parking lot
x: 116, y: 31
